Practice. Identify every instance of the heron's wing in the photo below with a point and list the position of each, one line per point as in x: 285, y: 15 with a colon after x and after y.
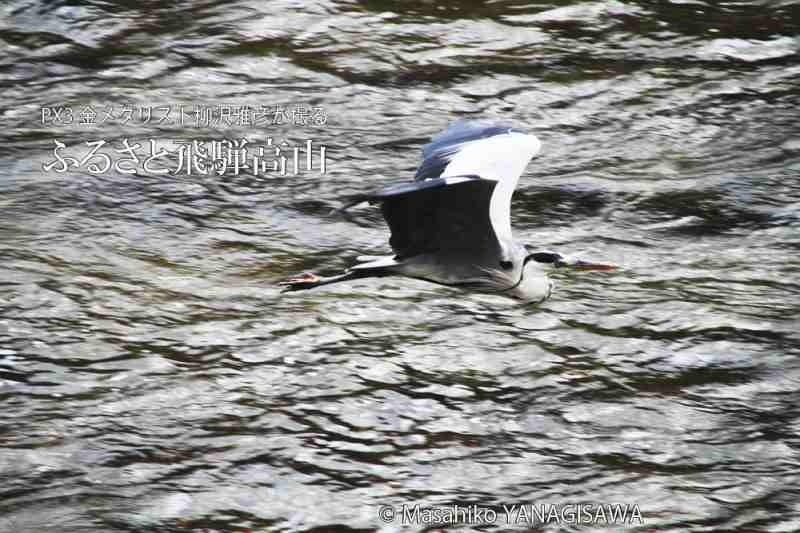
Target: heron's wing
x: 461, y: 198
x: 438, y: 154
x: 445, y: 217
x: 492, y: 151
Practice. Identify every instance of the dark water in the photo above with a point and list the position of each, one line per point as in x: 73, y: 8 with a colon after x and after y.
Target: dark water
x: 152, y: 377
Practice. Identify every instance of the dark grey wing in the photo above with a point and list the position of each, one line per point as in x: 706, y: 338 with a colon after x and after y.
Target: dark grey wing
x: 449, y: 217
x: 437, y: 154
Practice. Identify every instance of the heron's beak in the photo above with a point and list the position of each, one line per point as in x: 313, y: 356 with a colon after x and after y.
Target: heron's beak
x: 584, y: 266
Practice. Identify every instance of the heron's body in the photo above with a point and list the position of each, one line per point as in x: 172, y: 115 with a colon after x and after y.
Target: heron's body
x: 452, y: 225
x: 528, y: 282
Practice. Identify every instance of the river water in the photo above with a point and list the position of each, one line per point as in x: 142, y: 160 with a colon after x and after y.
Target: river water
x: 154, y: 379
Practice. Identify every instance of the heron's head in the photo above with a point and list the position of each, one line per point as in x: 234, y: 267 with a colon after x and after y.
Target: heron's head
x: 535, y: 286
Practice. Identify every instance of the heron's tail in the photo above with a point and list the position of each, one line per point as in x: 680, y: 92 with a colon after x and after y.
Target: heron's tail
x: 374, y: 262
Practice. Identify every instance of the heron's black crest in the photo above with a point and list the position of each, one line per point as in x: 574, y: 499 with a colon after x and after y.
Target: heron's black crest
x: 546, y: 257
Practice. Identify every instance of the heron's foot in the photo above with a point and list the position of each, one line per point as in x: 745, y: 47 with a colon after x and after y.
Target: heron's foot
x: 306, y: 281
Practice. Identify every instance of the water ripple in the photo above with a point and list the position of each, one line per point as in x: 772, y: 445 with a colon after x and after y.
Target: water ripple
x: 153, y: 377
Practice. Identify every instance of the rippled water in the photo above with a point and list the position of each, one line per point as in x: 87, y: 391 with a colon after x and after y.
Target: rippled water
x: 153, y: 378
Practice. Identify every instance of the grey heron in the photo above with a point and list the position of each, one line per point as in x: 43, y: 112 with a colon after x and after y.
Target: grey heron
x: 452, y: 224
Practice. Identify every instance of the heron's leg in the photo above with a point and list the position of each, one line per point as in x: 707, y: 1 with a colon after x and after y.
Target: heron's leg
x: 309, y: 281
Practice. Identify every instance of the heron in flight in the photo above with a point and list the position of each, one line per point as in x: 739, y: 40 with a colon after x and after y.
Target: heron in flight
x: 452, y: 224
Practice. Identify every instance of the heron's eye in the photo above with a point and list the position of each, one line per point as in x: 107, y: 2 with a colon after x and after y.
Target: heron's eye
x: 506, y: 265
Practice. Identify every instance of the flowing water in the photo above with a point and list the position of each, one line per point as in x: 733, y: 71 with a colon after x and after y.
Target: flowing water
x: 154, y: 379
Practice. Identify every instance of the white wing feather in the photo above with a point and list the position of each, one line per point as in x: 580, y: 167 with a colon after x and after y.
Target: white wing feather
x: 501, y: 158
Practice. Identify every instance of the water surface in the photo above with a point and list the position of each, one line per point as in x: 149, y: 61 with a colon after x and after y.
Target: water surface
x: 153, y: 378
